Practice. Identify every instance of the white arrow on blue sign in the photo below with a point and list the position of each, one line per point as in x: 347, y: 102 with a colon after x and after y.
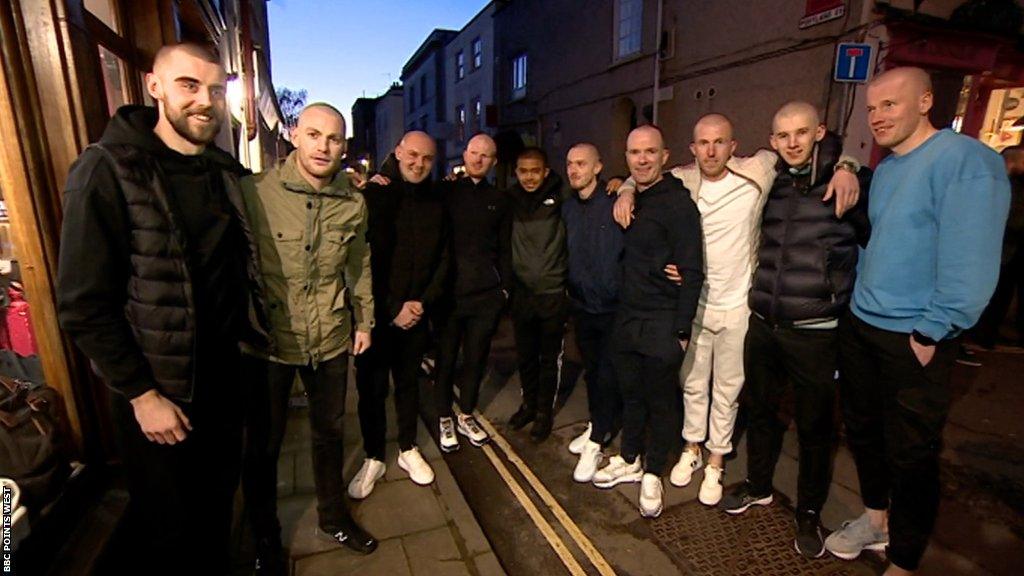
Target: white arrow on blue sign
x: 853, y: 62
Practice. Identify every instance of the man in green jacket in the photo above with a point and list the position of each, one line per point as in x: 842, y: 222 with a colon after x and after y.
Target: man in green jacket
x: 311, y: 232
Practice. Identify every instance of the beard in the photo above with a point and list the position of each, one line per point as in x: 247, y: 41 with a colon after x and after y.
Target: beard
x: 198, y: 135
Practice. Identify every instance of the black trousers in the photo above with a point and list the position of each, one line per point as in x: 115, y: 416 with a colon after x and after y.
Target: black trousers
x: 470, y: 325
x: 266, y: 419
x: 894, y: 410
x: 594, y: 336
x: 179, y: 514
x: 1011, y: 283
x: 395, y: 354
x: 539, y: 324
x: 773, y: 358
x: 647, y: 357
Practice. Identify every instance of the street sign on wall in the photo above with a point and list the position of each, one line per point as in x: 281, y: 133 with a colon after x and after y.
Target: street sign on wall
x: 818, y: 11
x: 853, y: 62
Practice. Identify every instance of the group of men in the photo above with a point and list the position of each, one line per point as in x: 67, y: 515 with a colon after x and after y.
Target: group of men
x: 200, y: 292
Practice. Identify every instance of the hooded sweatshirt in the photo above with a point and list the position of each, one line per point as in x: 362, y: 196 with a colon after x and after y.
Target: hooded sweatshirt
x: 538, y: 237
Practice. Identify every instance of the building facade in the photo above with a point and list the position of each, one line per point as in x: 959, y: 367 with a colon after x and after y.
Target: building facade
x: 423, y: 77
x: 389, y: 117
x: 469, y: 84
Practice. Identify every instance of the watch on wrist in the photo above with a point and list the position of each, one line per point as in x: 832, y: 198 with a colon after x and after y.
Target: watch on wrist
x: 846, y: 165
x: 922, y: 339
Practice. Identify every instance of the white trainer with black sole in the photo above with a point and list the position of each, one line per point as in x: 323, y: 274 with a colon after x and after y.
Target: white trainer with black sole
x: 471, y: 429
x: 447, y: 439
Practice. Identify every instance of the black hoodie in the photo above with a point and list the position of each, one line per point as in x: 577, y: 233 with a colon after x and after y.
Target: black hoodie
x: 539, y: 255
x: 95, y: 257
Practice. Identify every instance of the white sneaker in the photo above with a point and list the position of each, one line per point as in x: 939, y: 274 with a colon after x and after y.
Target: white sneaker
x: 447, y: 439
x: 650, y: 496
x: 682, y: 472
x: 618, y: 471
x: 577, y: 444
x: 470, y: 428
x: 590, y: 459
x: 711, y: 487
x: 364, y: 480
x: 419, y: 471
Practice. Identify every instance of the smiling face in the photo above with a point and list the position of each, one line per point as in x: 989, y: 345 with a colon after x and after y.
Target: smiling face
x: 190, y: 95
x: 794, y: 133
x: 319, y: 140
x: 415, y: 155
x: 531, y: 172
x: 898, y: 103
x: 646, y: 156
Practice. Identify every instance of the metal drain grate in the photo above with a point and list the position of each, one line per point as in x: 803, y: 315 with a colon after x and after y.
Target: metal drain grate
x: 706, y: 541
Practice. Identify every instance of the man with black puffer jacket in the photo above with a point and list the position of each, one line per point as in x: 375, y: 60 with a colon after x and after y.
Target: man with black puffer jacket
x: 540, y: 306
x: 801, y: 287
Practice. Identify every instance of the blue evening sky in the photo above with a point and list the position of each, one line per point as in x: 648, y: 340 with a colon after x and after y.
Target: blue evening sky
x: 339, y: 50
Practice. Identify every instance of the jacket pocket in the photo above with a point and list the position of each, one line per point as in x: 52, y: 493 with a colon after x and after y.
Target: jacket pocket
x: 334, y: 247
x: 340, y: 300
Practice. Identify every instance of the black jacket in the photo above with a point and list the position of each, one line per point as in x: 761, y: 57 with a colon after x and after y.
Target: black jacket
x: 157, y: 270
x: 538, y: 237
x: 666, y: 230
x: 481, y: 229
x: 594, y: 240
x: 808, y: 258
x: 408, y: 233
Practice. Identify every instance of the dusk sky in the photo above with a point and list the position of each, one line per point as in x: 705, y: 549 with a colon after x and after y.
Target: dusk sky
x: 339, y: 50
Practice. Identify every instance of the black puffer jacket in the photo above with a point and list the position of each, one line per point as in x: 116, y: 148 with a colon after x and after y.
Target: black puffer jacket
x: 808, y: 257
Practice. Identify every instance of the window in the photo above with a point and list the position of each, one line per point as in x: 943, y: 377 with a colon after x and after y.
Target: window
x: 423, y: 89
x: 460, y: 65
x: 629, y: 23
x: 113, y: 80
x: 412, y: 97
x: 105, y: 10
x: 519, y: 76
x: 478, y: 53
x: 460, y: 123
x: 477, y: 111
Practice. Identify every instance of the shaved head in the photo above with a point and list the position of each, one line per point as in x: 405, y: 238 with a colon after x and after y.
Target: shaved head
x: 483, y: 141
x: 319, y: 108
x: 203, y: 52
x: 898, y: 103
x: 797, y: 108
x: 582, y: 165
x: 719, y: 121
x: 415, y: 154
x: 319, y: 139
x: 479, y: 156
x: 188, y: 83
x: 646, y: 155
x: 587, y: 148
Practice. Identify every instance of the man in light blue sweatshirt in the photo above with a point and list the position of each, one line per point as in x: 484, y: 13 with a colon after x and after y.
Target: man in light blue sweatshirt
x: 936, y: 209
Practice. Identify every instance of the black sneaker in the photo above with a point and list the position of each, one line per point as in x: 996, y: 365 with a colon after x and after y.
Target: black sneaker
x: 351, y: 536
x: 810, y: 543
x: 967, y: 357
x: 522, y: 417
x: 740, y: 499
x: 541, y: 428
x: 270, y: 558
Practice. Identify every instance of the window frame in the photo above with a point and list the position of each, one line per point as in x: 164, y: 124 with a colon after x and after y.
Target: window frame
x: 637, y: 34
x: 477, y: 50
x: 460, y: 65
x: 520, y: 75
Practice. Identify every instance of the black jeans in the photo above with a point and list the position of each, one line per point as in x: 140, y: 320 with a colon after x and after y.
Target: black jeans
x: 539, y: 324
x: 266, y: 418
x: 469, y: 325
x: 397, y: 354
x: 773, y: 358
x: 647, y: 357
x: 179, y: 516
x: 593, y: 336
x: 894, y: 410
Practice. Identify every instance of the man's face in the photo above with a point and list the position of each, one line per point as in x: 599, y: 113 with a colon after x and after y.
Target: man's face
x: 479, y: 157
x: 582, y: 167
x: 646, y: 156
x: 531, y: 173
x: 319, y: 142
x: 190, y: 93
x: 793, y: 137
x: 895, y: 110
x: 415, y: 155
x: 712, y: 146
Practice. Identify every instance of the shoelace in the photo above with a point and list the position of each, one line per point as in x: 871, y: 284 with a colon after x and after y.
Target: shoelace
x: 471, y: 424
x: 447, y: 428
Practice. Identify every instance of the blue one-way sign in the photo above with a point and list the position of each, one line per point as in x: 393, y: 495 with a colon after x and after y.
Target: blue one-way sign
x: 853, y: 62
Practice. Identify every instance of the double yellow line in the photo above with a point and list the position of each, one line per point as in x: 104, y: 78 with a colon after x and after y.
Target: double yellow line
x: 545, y: 527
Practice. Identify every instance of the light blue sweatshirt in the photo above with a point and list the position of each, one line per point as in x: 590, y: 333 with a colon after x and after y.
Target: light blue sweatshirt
x: 937, y: 218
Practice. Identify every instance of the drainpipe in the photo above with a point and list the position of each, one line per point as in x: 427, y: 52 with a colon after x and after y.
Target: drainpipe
x: 657, y: 63
x: 248, y: 69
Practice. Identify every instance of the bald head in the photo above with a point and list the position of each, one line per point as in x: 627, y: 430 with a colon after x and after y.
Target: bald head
x: 646, y: 155
x: 582, y: 165
x: 587, y: 149
x: 796, y: 108
x: 415, y: 154
x: 479, y: 156
x: 898, y: 103
x: 796, y: 129
x: 648, y: 133
x: 323, y: 110
x: 719, y: 122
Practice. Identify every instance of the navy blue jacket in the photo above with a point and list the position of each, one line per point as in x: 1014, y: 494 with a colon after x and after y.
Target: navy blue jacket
x: 595, y: 251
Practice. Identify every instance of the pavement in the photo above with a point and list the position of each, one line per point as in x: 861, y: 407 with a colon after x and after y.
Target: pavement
x: 423, y: 531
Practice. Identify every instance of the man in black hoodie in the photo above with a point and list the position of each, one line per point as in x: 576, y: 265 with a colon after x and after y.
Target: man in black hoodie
x: 408, y: 235
x: 482, y: 257
x: 539, y: 303
x: 801, y: 287
x: 156, y: 269
x: 653, y: 323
